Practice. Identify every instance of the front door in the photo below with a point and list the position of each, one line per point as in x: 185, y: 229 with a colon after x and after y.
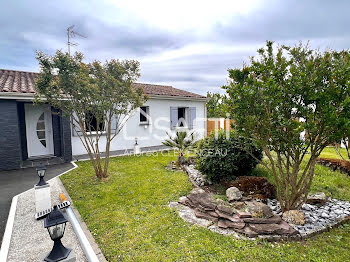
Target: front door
x: 39, y: 130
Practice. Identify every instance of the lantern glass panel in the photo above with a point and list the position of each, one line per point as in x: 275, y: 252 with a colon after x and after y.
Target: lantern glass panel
x: 41, y: 172
x: 56, y: 231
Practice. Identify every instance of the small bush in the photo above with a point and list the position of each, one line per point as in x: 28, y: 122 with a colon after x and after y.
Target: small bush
x: 223, y: 159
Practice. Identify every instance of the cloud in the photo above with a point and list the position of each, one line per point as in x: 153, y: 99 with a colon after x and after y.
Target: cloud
x: 187, y: 44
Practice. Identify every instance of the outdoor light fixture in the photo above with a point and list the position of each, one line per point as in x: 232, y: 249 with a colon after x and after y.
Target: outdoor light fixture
x: 55, y: 223
x: 41, y: 173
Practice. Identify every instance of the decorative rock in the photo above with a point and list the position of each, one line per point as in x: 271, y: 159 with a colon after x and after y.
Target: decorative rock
x: 238, y: 204
x: 199, y: 197
x: 258, y: 209
x: 234, y: 218
x: 187, y: 214
x: 200, y: 208
x: 183, y: 200
x: 243, y: 214
x: 195, y: 176
x: 249, y: 232
x: 324, y: 215
x: 224, y: 231
x: 233, y: 194
x: 273, y: 220
x: 319, y: 198
x: 338, y: 212
x: 308, y: 207
x: 224, y: 223
x: 294, y: 217
x: 287, y: 229
x: 281, y: 229
x: 225, y: 209
x: 205, y: 215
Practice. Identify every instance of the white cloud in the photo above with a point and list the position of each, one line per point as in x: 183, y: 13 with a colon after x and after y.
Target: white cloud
x: 183, y: 15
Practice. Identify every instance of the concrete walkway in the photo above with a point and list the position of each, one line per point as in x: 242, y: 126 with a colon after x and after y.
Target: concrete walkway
x: 16, y: 181
x: 30, y: 241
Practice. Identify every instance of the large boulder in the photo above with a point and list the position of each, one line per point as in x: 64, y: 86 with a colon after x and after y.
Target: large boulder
x: 319, y: 198
x: 294, y: 217
x: 255, y: 187
x: 233, y: 194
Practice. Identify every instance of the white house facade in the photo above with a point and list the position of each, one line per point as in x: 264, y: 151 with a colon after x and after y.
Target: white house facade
x: 163, y: 118
x: 32, y: 134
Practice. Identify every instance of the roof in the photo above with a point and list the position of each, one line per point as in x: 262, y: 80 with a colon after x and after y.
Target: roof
x: 162, y: 90
x: 20, y: 82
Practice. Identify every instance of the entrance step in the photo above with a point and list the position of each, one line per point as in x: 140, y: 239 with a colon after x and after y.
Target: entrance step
x: 46, y: 161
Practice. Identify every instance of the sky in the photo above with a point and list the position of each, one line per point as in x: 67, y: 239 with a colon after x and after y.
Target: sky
x: 186, y: 44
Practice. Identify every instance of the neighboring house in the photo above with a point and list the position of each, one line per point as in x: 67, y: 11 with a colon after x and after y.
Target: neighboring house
x: 32, y: 134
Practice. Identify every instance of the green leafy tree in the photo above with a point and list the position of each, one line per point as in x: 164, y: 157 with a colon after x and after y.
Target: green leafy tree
x: 88, y: 93
x: 344, y: 141
x: 182, y: 141
x: 283, y: 93
x: 216, y: 105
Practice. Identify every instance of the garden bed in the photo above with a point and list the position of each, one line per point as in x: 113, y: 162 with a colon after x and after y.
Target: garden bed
x: 129, y: 217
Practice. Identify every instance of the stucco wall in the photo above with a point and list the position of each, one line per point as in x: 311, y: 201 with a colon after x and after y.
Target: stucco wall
x: 153, y: 134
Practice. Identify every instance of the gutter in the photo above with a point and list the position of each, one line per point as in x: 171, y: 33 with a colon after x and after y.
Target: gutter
x: 17, y: 96
x: 30, y: 96
x: 186, y: 98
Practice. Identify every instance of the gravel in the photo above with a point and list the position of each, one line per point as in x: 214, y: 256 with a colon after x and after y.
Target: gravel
x: 318, y: 218
x: 196, y: 176
x: 30, y: 240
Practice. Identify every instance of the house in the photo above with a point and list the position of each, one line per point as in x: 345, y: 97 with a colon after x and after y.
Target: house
x: 32, y: 134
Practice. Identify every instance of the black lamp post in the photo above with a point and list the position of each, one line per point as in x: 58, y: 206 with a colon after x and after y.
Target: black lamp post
x: 41, y: 173
x: 55, y: 223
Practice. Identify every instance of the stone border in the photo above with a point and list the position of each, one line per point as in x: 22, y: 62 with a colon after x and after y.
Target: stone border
x: 189, y: 217
x: 196, y: 177
x: 197, y: 208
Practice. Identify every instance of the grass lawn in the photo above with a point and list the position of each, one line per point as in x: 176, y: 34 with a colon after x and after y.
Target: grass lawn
x: 330, y: 152
x: 130, y: 220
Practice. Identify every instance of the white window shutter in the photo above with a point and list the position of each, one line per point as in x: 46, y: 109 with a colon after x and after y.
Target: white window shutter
x: 192, y: 117
x: 173, y: 117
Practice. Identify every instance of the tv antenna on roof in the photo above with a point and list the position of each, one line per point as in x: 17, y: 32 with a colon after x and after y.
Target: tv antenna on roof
x: 70, y: 34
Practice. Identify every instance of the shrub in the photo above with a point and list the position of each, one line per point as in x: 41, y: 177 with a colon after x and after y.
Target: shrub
x: 224, y: 158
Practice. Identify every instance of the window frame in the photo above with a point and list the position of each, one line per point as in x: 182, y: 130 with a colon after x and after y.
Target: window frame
x: 94, y: 132
x: 146, y: 115
x: 185, y: 117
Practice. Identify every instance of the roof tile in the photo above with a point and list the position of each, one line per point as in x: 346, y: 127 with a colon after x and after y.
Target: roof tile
x: 23, y: 82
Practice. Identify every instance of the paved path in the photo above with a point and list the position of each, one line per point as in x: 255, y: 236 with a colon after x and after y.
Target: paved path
x: 16, y: 181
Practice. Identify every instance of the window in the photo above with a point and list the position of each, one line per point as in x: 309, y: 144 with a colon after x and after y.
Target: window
x: 92, y: 124
x: 40, y: 129
x: 144, y: 115
x: 181, y: 115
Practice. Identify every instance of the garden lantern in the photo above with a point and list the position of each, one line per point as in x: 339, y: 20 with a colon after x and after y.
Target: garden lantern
x: 41, y: 173
x: 55, y: 223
